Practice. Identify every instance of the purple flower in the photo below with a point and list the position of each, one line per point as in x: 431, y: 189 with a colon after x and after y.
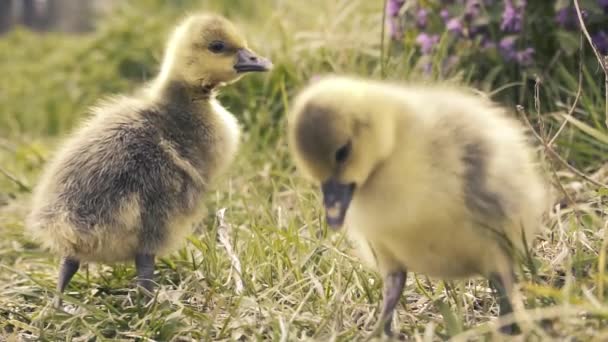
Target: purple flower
x: 566, y: 18
x: 509, y: 16
x: 506, y: 46
x: 525, y: 57
x: 393, y: 7
x: 454, y: 26
x: 488, y: 44
x: 421, y: 18
x: 393, y: 20
x: 507, y: 43
x: 427, y: 42
x: 603, y: 4
x: 512, y: 17
x: 444, y: 14
x: 600, y: 40
x: 472, y: 9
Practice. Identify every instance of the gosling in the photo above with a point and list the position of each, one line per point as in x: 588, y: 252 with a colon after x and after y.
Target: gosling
x: 128, y: 184
x: 426, y: 178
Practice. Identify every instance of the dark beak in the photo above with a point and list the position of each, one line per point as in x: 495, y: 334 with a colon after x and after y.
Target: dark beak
x: 247, y: 61
x: 336, y: 199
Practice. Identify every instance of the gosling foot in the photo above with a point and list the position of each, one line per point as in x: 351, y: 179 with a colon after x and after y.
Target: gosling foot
x: 67, y: 268
x: 505, y: 306
x: 393, y: 287
x: 144, y: 265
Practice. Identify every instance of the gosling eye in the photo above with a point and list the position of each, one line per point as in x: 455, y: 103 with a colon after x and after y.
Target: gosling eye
x: 343, y: 152
x: 217, y: 46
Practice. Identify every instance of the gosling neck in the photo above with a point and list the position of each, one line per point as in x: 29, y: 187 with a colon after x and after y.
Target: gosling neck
x: 178, y: 90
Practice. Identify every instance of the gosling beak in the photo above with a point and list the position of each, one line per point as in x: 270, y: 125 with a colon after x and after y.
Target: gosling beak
x: 247, y: 61
x: 336, y: 199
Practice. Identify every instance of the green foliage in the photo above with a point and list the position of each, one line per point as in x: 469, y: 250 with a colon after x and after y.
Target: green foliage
x: 51, y: 79
x: 504, y: 48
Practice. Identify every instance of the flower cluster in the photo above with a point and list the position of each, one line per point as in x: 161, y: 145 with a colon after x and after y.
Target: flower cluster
x: 495, y: 27
x: 567, y: 19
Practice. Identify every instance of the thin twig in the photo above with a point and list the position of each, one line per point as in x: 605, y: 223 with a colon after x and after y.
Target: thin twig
x: 602, y: 60
x: 578, y: 93
x: 556, y: 155
x: 225, y: 240
x: 543, y: 139
x: 22, y: 186
x: 606, y: 87
x: 584, y: 29
x: 382, y: 38
x: 6, y: 145
x: 541, y: 122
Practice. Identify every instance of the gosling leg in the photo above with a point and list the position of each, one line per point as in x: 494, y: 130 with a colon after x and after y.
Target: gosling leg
x: 503, y: 288
x: 392, y: 289
x: 144, y: 265
x: 67, y: 268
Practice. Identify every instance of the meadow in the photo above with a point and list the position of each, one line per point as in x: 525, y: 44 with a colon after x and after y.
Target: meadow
x: 263, y: 265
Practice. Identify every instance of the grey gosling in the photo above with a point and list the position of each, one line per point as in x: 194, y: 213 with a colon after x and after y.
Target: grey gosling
x: 426, y: 178
x: 127, y: 185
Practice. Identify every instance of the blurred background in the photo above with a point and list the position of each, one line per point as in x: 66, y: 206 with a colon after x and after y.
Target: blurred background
x: 52, y: 15
x: 58, y: 56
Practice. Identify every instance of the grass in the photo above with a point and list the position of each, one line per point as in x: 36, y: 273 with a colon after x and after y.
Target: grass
x: 299, y: 281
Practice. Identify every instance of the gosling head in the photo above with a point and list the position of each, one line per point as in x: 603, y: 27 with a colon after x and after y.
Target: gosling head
x: 338, y: 134
x: 207, y: 50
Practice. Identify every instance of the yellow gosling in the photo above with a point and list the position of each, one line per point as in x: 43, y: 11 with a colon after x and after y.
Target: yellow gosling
x: 127, y: 185
x: 426, y: 178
